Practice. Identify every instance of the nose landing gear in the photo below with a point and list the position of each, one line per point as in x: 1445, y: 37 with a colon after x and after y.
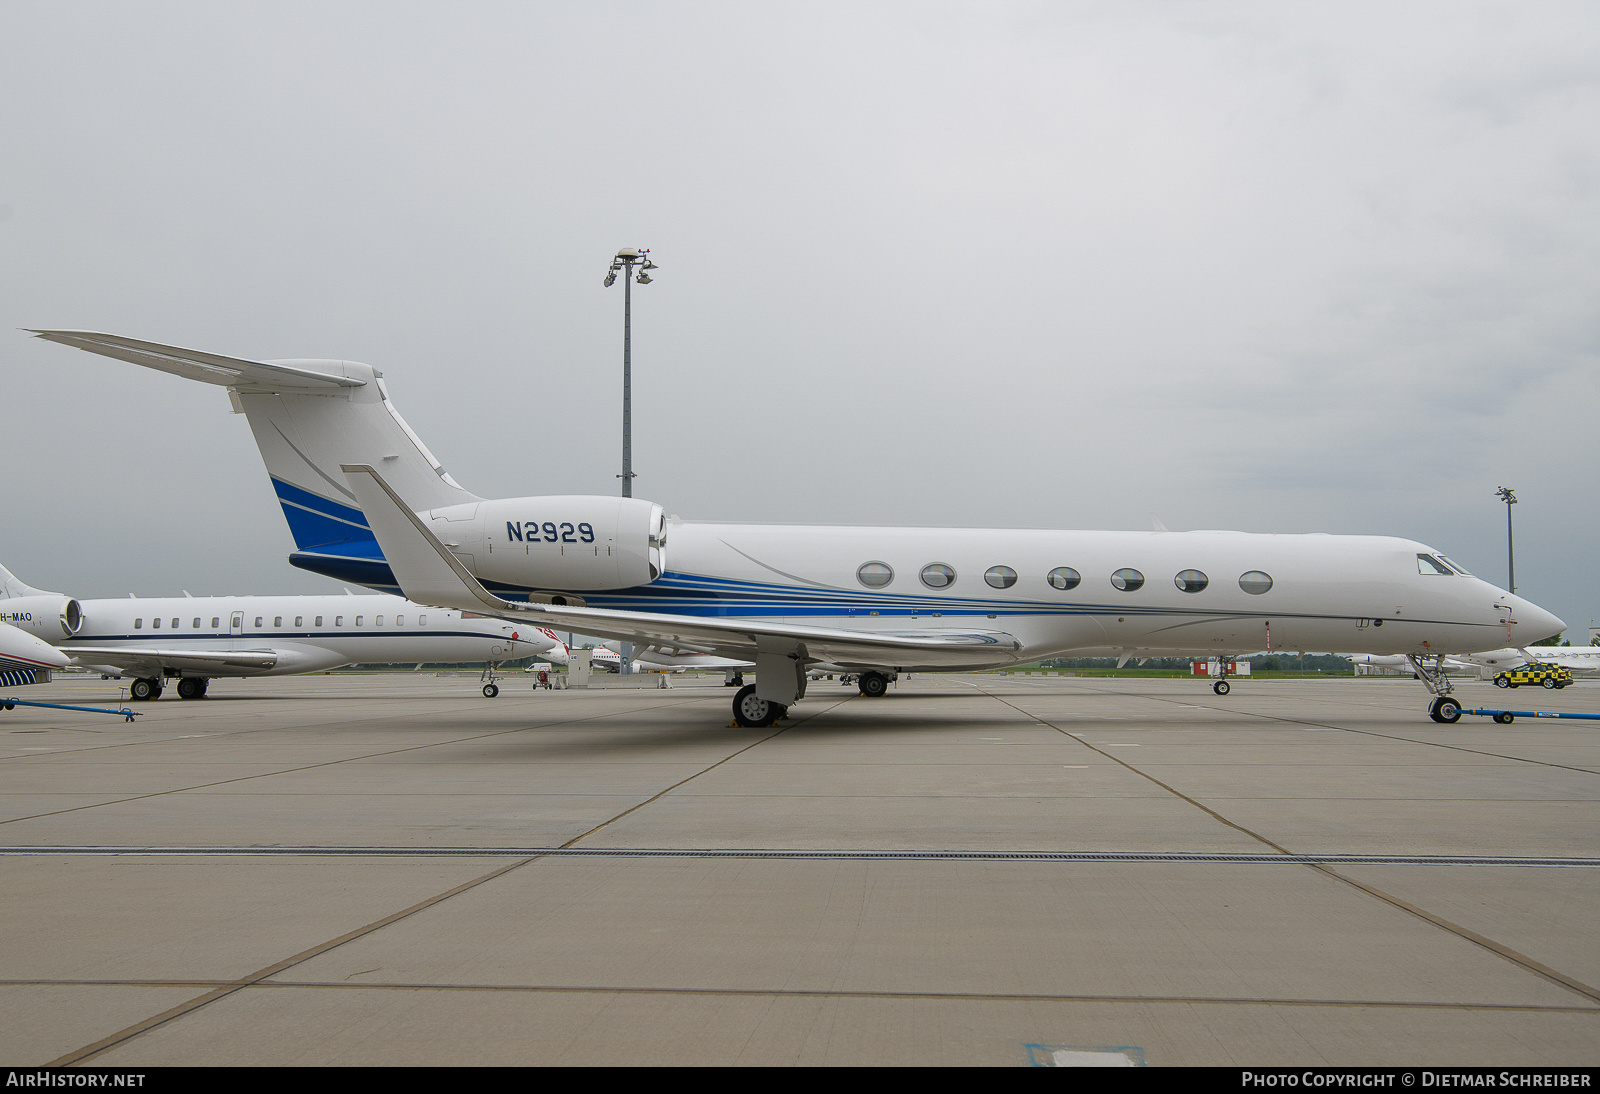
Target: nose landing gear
x: 490, y: 688
x: 1430, y: 670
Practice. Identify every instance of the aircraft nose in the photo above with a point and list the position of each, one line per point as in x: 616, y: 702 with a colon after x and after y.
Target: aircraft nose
x: 1535, y: 624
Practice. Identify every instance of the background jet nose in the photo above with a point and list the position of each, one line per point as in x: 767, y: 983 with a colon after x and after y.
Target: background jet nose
x: 1534, y: 624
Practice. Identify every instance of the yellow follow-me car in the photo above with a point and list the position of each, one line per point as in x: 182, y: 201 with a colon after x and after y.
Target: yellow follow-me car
x: 1534, y: 672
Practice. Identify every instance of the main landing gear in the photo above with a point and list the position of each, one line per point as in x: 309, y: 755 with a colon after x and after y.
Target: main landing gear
x: 490, y: 688
x: 873, y: 684
x: 1430, y: 670
x: 754, y: 712
x: 192, y: 687
x: 146, y: 687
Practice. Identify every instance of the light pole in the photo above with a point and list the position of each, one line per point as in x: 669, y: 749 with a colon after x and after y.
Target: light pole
x: 627, y: 258
x: 1511, y: 558
x: 624, y: 262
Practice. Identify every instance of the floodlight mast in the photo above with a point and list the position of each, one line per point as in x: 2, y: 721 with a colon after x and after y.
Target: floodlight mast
x: 625, y: 261
x: 1511, y: 558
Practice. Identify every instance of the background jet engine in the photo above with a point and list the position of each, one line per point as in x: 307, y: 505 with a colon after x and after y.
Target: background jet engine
x: 573, y: 541
x: 49, y: 616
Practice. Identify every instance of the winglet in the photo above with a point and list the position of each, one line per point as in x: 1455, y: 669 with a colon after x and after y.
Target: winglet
x: 424, y: 568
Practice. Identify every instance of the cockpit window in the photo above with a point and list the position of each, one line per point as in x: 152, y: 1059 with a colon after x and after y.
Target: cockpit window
x: 1453, y: 564
x: 1427, y: 564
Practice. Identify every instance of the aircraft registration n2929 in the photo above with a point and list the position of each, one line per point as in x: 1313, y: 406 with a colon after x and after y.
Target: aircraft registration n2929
x: 367, y: 502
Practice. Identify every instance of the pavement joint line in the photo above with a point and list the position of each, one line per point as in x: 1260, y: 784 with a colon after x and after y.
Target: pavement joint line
x: 1506, y: 953
x: 294, y: 770
x: 827, y: 993
x: 128, y: 1033
x: 1350, y: 729
x: 822, y: 854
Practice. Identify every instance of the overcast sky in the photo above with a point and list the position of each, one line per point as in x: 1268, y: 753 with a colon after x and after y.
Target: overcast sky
x: 1273, y: 266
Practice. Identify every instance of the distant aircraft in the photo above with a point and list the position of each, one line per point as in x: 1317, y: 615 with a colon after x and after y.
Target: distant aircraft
x: 1577, y: 660
x: 195, y: 639
x: 377, y: 508
x: 608, y: 657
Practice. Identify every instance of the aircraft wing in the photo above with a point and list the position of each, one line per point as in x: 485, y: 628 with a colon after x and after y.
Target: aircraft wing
x: 429, y: 574
x: 209, y: 368
x: 150, y: 662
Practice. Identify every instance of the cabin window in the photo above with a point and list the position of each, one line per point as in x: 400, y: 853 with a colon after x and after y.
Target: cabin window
x: 138, y: 624
x: 399, y: 620
x: 197, y: 622
x: 338, y: 621
x: 156, y: 623
x: 1128, y: 579
x: 378, y: 622
x: 1191, y: 581
x: 936, y: 575
x: 1255, y: 582
x: 258, y: 621
x: 175, y: 623
x: 1000, y: 577
x: 422, y: 621
x: 216, y: 621
x: 875, y: 575
x: 277, y: 621
x: 1064, y: 577
x: 1427, y: 564
x: 318, y: 622
x: 358, y: 620
x: 299, y: 621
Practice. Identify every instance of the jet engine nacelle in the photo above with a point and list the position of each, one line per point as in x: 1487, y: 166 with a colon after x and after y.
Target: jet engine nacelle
x: 571, y: 542
x: 49, y: 616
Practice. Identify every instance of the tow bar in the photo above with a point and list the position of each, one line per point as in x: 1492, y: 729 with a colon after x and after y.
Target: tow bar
x: 1506, y: 717
x: 127, y: 714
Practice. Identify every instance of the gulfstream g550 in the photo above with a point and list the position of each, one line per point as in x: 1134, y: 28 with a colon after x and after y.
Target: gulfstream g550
x: 367, y: 502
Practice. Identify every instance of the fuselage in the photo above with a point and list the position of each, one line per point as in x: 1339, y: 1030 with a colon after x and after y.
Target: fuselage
x: 1059, y: 591
x: 308, y: 633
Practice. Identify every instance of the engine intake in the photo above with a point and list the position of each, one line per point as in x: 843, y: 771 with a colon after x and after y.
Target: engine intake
x: 48, y: 616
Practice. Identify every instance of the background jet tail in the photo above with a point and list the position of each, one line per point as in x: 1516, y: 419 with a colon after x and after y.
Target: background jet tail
x: 13, y: 586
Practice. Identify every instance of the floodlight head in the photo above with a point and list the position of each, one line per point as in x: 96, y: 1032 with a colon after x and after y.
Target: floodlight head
x: 611, y: 278
x: 648, y: 265
x: 644, y: 278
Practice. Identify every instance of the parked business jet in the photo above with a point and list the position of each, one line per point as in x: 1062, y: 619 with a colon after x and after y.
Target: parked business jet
x: 1578, y: 660
x: 194, y: 639
x: 371, y: 504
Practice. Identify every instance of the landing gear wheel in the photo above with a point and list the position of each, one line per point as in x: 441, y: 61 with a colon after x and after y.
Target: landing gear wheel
x: 142, y: 689
x: 189, y: 688
x: 1505, y: 717
x: 1500, y: 682
x: 491, y: 690
x: 1445, y: 709
x: 1547, y: 682
x: 754, y: 712
x: 1221, y: 687
x: 874, y: 684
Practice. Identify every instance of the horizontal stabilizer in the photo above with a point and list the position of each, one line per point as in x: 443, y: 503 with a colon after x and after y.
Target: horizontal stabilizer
x: 209, y: 368
x: 430, y: 574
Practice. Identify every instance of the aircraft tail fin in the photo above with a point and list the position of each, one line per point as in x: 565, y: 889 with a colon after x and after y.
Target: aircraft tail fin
x: 13, y: 586
x: 309, y: 418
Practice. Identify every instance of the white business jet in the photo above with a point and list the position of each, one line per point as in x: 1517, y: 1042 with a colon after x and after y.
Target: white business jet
x: 194, y: 639
x: 873, y: 600
x: 1578, y: 660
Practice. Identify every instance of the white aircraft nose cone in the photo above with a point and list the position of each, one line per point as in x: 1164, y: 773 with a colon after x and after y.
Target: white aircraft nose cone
x: 1534, y: 623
